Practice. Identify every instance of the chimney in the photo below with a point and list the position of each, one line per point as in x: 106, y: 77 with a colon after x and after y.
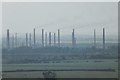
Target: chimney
x: 58, y: 38
x: 30, y: 40
x: 94, y: 38
x: 16, y: 40
x: 54, y: 40
x: 26, y: 40
x: 13, y: 41
x: 73, y: 39
x: 46, y: 39
x: 42, y: 37
x: 74, y: 42
x: 49, y: 38
x: 8, y: 39
x: 103, y: 38
x: 34, y: 38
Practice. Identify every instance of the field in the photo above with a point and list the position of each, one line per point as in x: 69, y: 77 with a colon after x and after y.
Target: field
x: 63, y: 69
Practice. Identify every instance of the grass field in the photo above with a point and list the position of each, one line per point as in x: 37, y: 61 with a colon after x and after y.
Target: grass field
x: 76, y: 64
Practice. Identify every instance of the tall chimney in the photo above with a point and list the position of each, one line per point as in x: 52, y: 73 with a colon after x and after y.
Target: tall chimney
x: 16, y: 40
x: 73, y: 39
x: 26, y: 40
x: 46, y: 39
x: 8, y: 39
x: 75, y: 42
x: 13, y: 41
x: 30, y: 40
x: 42, y: 37
x: 94, y: 38
x: 103, y: 38
x: 58, y: 38
x: 34, y: 38
x: 49, y: 38
x: 54, y: 40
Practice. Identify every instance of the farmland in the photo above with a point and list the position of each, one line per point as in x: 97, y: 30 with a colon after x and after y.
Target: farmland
x: 36, y: 70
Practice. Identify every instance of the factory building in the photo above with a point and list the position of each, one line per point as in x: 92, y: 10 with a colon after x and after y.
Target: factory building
x: 46, y: 42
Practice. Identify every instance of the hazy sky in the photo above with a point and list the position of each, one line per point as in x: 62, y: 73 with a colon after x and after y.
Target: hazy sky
x: 22, y: 17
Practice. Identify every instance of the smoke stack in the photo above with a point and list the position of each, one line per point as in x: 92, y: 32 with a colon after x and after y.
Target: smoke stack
x: 103, y: 38
x: 8, y: 39
x: 73, y: 39
x: 94, y: 38
x: 13, y: 41
x: 49, y: 38
x: 16, y: 40
x: 75, y: 42
x: 26, y: 40
x: 54, y: 40
x: 34, y: 38
x: 58, y: 38
x: 30, y: 40
x: 46, y: 39
x: 42, y: 37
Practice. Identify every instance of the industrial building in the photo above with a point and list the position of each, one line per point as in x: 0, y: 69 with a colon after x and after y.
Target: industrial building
x: 46, y: 40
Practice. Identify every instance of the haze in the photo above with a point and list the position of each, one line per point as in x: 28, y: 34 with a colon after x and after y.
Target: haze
x: 22, y: 17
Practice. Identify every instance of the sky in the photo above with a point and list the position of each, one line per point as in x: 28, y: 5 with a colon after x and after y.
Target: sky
x: 84, y: 17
